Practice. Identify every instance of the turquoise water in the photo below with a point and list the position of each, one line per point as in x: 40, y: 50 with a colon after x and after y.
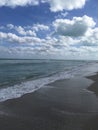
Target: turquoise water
x: 18, y: 77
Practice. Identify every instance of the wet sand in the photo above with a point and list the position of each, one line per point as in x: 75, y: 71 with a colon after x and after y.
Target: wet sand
x: 92, y: 124
x: 94, y: 86
x: 62, y: 105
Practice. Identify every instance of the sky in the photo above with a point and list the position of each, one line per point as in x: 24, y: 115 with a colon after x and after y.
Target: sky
x: 49, y: 29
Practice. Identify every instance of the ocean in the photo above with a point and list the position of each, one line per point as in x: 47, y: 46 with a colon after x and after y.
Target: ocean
x: 18, y: 77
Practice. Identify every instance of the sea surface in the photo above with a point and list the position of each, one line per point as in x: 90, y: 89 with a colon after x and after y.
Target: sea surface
x: 18, y: 77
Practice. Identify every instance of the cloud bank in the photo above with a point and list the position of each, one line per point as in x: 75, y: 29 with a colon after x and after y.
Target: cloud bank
x: 72, y: 37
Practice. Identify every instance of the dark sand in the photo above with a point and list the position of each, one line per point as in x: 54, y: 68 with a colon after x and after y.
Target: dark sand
x: 92, y: 124
x: 94, y: 86
x: 62, y: 105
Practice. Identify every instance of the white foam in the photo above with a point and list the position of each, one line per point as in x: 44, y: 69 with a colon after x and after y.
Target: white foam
x: 28, y: 87
x: 31, y: 86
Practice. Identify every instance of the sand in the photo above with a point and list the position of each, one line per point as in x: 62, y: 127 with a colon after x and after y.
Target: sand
x: 62, y: 105
x: 94, y: 86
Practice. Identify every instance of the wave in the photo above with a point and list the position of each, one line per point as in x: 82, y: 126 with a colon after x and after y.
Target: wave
x: 30, y: 86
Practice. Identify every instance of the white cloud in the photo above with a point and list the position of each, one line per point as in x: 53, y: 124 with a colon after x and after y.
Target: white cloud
x: 60, y: 5
x: 21, y: 30
x: 55, y: 5
x: 3, y: 35
x: 38, y: 27
x: 91, y: 38
x: 13, y: 38
x: 78, y: 26
x: 65, y: 44
x: 10, y: 26
x: 24, y: 35
x: 28, y: 30
x: 14, y: 3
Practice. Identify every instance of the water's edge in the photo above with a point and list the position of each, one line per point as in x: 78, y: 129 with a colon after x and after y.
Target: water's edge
x: 18, y: 90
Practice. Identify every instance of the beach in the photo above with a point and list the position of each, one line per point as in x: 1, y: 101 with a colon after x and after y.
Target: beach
x: 67, y: 104
x: 48, y: 65
x: 94, y: 86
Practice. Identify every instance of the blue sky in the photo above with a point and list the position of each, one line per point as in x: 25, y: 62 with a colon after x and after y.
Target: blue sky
x: 58, y: 29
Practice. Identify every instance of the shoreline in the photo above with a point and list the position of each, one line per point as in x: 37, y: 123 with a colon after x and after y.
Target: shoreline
x: 94, y: 87
x: 92, y: 123
x: 64, y: 104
